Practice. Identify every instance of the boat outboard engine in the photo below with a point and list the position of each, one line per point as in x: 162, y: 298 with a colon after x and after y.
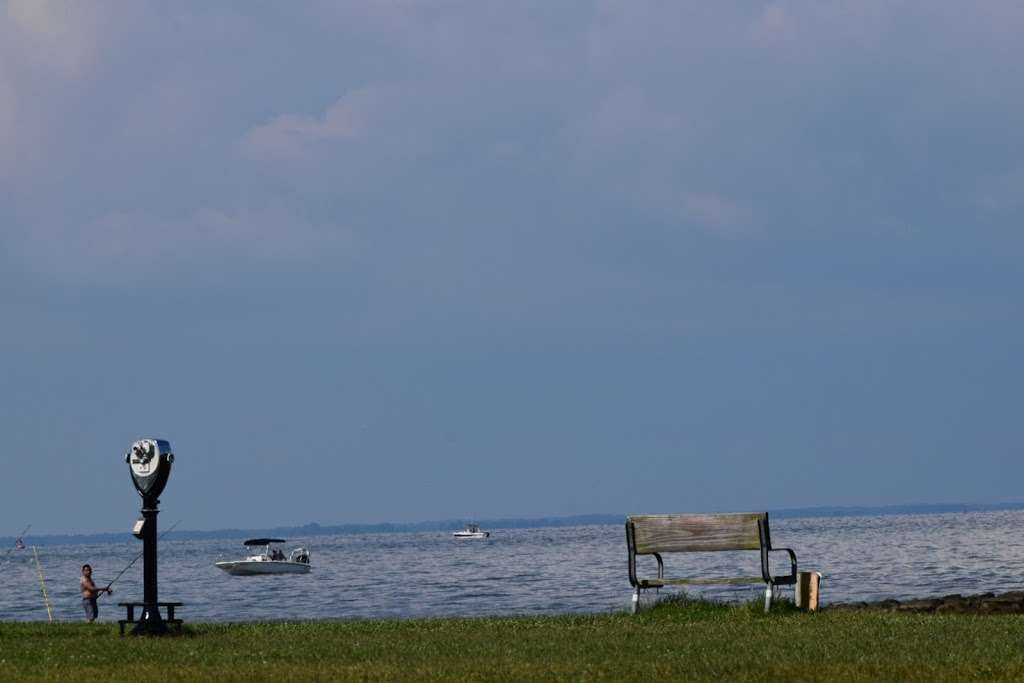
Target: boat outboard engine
x: 300, y: 555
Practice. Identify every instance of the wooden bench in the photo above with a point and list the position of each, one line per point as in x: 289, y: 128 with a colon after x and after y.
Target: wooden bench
x: 659, y: 534
x: 130, y: 607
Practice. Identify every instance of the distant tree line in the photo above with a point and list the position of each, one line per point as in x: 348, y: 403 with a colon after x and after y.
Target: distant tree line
x: 315, y: 529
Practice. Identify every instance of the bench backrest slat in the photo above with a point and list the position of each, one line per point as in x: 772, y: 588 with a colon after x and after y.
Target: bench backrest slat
x: 697, y: 533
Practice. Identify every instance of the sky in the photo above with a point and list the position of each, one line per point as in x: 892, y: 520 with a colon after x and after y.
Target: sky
x: 403, y: 261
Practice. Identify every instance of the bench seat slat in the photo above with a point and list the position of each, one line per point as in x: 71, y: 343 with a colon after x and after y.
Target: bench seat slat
x: 743, y: 580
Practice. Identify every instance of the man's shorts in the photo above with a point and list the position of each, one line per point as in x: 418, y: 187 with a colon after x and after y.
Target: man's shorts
x: 91, y: 609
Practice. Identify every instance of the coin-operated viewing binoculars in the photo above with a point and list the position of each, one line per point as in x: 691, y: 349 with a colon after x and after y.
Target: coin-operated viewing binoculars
x: 149, y: 461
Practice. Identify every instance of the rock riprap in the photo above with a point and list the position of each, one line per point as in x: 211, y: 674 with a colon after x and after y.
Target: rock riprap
x: 983, y: 603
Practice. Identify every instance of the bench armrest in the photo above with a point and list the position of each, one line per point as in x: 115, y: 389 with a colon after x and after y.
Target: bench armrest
x: 661, y: 565
x: 634, y: 576
x: 792, y: 566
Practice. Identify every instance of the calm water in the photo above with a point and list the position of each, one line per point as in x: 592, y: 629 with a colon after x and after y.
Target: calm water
x: 521, y: 571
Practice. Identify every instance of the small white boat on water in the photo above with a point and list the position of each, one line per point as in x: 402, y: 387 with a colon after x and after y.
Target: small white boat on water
x: 269, y: 561
x: 471, y: 531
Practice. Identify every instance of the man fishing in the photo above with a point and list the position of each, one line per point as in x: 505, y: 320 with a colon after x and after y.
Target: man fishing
x: 89, y: 593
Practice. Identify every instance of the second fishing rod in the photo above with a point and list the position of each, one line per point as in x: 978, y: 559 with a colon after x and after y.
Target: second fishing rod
x: 141, y: 553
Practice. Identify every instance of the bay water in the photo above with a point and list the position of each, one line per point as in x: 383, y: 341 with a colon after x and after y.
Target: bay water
x: 541, y: 571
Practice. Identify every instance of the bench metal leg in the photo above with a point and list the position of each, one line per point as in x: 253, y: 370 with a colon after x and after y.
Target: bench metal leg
x: 636, y: 601
x: 769, y: 593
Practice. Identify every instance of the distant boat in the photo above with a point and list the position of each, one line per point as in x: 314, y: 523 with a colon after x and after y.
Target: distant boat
x: 471, y: 531
x: 269, y: 561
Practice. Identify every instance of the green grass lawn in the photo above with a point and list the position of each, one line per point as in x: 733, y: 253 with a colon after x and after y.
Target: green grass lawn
x: 674, y: 641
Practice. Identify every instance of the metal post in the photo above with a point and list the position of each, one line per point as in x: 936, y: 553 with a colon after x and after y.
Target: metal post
x: 151, y: 623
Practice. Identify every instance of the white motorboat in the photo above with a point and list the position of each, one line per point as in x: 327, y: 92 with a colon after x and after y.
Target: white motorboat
x: 471, y: 531
x: 269, y: 561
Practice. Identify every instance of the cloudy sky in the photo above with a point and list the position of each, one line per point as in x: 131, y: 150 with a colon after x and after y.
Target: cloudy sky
x: 399, y: 261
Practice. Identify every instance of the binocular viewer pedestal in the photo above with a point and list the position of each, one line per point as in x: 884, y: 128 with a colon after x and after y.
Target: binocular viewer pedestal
x: 149, y: 461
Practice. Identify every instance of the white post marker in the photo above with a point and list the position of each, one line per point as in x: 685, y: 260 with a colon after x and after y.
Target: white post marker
x: 807, y: 591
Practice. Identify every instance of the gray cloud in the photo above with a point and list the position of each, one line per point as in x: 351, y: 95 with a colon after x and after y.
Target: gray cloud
x: 133, y: 247
x: 720, y: 121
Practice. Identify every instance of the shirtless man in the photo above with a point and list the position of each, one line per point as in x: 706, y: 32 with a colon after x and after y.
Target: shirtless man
x: 89, y: 593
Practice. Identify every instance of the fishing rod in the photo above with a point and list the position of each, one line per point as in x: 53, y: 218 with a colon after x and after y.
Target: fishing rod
x: 169, y: 529
x: 42, y: 582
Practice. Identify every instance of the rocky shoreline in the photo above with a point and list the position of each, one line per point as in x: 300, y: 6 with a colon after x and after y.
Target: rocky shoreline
x: 982, y: 603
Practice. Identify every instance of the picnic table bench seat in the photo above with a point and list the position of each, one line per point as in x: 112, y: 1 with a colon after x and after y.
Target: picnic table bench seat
x: 130, y: 613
